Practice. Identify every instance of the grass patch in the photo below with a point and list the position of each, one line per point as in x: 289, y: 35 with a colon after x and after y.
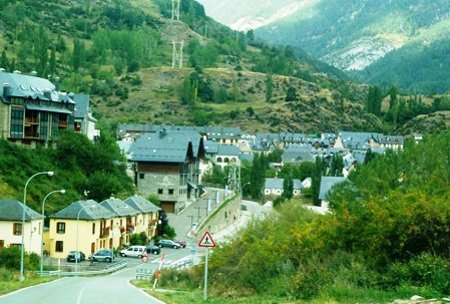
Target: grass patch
x: 10, y: 285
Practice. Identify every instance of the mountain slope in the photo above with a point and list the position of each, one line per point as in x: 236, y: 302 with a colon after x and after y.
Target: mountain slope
x: 251, y: 14
x: 353, y: 35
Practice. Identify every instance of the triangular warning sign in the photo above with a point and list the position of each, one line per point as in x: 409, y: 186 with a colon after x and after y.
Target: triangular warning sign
x: 206, y: 240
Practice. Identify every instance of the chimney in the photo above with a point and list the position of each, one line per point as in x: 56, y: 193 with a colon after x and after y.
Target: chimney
x: 57, y: 79
x: 47, y: 94
x: 6, y: 90
x: 162, y: 133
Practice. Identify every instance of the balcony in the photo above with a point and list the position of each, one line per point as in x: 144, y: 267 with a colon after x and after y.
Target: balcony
x: 104, y: 233
x: 130, y: 228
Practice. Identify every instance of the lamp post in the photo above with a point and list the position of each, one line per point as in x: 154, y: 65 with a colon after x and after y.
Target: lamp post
x: 49, y: 173
x: 62, y: 191
x: 78, y: 219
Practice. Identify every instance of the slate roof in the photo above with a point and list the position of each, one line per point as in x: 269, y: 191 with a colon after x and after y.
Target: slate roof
x: 327, y: 182
x: 141, y: 204
x: 152, y: 147
x: 211, y: 147
x: 118, y: 207
x: 84, y: 210
x: 357, y: 140
x: 277, y: 183
x: 228, y: 150
x: 82, y: 105
x: 27, y: 86
x: 222, y: 132
x: 12, y: 210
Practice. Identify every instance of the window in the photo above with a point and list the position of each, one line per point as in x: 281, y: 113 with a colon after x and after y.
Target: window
x: 141, y: 175
x: 43, y: 126
x: 2, y: 244
x: 93, y: 228
x: 59, y: 246
x: 17, y: 122
x: 170, y: 191
x: 60, y: 227
x: 160, y: 191
x: 17, y: 229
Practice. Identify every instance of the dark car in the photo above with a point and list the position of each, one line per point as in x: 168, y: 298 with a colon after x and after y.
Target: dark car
x: 76, y: 256
x: 181, y: 243
x: 168, y: 244
x: 104, y: 255
x: 153, y: 249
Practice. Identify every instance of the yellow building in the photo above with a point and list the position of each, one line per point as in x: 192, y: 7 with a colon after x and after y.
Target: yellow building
x: 84, y: 226
x: 89, y: 226
x: 124, y: 222
x: 11, y: 212
x: 147, y: 220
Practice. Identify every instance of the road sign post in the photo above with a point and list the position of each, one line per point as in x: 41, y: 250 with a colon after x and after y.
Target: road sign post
x: 207, y: 242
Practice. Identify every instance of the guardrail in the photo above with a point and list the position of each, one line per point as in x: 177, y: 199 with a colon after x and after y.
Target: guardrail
x: 109, y: 269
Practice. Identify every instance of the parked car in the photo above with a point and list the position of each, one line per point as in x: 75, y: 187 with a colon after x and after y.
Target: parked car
x: 76, y: 256
x: 181, y: 243
x: 153, y: 249
x: 133, y: 251
x: 168, y: 244
x: 104, y: 255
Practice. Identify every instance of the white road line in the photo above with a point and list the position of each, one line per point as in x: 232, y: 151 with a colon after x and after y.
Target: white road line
x: 81, y: 293
x: 146, y: 294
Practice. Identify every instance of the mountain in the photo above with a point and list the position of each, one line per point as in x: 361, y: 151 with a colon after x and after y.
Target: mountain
x: 381, y: 41
x: 251, y: 14
x: 140, y: 64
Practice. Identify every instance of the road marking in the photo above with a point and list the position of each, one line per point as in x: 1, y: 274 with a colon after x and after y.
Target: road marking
x: 146, y: 294
x: 81, y: 293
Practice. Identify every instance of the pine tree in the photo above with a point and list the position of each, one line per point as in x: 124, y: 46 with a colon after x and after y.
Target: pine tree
x: 288, y: 188
x: 4, y: 62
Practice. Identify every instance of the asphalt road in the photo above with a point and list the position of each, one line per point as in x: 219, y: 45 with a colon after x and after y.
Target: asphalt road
x: 112, y: 289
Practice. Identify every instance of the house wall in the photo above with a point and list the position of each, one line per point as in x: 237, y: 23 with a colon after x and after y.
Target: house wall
x: 167, y: 186
x: 86, y: 239
x: 4, y: 120
x: 32, y: 233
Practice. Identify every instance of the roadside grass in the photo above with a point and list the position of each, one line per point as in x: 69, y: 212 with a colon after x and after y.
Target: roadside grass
x: 333, y: 294
x: 9, y: 281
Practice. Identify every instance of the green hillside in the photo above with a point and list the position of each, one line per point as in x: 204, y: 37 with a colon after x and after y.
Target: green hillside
x: 120, y: 52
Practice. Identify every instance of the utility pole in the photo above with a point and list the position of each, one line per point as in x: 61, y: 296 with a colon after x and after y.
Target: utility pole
x: 175, y: 9
x: 177, y: 54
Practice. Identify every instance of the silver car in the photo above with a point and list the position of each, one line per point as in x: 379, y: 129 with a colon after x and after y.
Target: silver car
x: 104, y: 255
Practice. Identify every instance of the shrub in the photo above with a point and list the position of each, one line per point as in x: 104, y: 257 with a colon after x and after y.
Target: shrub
x: 424, y: 270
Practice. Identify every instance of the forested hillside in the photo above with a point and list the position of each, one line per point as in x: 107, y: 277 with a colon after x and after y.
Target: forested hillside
x: 120, y: 52
x: 81, y: 168
x: 386, y: 238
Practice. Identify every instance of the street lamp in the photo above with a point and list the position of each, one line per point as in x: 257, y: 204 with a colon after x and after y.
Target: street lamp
x: 78, y: 219
x: 49, y: 173
x: 62, y: 191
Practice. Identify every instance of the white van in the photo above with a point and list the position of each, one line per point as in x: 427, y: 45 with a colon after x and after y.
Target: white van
x: 133, y: 251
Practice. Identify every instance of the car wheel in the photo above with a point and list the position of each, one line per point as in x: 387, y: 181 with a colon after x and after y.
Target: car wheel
x: 175, y: 247
x: 123, y: 255
x: 108, y: 260
x: 140, y: 256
